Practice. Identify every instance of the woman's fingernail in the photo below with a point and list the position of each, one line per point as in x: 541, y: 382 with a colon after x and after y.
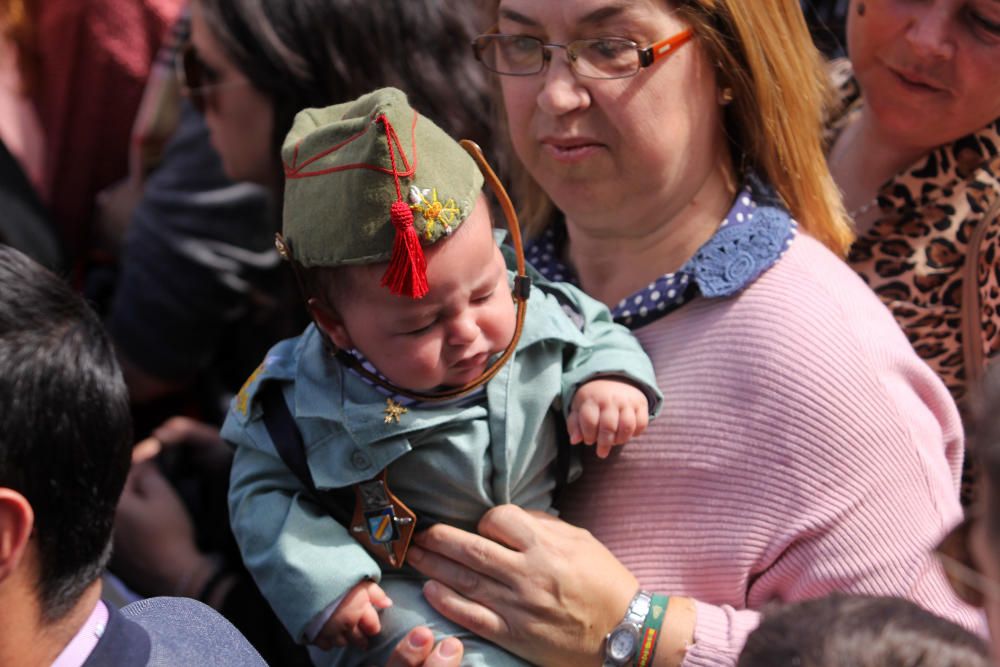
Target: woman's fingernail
x: 449, y: 647
x: 415, y: 553
x: 419, y: 639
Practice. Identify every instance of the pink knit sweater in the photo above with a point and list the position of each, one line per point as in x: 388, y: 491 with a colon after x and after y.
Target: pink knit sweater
x: 803, y: 448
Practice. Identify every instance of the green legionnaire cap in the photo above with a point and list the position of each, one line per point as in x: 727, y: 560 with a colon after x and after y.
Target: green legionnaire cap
x: 371, y: 181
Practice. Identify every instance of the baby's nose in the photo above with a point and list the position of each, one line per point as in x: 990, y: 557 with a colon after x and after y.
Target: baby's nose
x: 462, y: 330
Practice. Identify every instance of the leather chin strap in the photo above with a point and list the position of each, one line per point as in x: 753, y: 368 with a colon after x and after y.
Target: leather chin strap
x: 520, y: 292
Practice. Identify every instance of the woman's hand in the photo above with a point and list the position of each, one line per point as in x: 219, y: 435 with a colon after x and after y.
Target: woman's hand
x: 417, y: 649
x: 533, y: 584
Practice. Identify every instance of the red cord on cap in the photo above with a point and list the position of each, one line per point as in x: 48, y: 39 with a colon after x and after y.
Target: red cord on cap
x: 407, y: 272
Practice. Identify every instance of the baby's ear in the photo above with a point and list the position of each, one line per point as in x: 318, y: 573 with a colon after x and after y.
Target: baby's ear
x: 329, y: 322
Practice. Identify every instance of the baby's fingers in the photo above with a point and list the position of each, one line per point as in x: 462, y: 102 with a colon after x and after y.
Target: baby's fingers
x: 369, y: 623
x: 573, y: 428
x: 588, y: 417
x: 378, y: 597
x: 607, y: 430
x: 626, y: 426
x: 357, y: 637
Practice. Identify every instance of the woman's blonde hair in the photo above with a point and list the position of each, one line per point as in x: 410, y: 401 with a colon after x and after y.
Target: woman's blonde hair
x: 764, y: 53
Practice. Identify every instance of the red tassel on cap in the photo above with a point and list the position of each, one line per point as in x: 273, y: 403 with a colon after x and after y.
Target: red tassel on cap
x: 407, y: 272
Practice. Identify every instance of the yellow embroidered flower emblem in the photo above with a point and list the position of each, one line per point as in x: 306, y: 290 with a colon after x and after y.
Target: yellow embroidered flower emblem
x: 434, y: 211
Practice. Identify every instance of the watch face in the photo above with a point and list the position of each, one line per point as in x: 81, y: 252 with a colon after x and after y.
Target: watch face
x: 621, y: 644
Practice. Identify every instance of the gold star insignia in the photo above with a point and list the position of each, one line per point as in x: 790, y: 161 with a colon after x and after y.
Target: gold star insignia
x: 393, y: 411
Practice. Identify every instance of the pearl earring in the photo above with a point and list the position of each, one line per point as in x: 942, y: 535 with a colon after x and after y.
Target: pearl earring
x: 725, y: 96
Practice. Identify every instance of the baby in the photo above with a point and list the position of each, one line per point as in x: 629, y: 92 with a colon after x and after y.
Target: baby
x: 390, y: 234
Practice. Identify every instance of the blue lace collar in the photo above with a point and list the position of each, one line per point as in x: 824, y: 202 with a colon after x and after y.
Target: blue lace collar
x: 756, y: 231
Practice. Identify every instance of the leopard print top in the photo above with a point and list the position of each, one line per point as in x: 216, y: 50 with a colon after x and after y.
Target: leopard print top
x: 914, y: 254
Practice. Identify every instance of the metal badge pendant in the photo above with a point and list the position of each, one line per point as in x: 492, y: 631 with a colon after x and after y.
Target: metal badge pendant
x: 382, y: 523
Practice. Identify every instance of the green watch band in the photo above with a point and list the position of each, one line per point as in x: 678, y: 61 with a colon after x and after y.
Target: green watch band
x: 650, y: 634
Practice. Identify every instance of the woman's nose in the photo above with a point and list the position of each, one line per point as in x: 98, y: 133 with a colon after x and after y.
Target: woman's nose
x: 562, y: 91
x: 929, y: 31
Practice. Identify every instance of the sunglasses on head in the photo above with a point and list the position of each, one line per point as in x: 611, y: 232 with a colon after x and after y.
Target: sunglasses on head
x: 970, y: 585
x: 197, y: 79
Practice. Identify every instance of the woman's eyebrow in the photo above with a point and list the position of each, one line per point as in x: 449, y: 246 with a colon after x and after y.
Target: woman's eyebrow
x: 595, y: 17
x: 517, y: 17
x: 604, y: 13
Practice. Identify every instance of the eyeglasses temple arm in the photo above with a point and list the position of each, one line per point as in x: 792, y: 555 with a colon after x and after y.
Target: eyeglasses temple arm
x: 664, y: 48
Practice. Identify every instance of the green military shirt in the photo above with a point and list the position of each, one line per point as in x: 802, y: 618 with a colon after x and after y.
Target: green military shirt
x: 452, y: 461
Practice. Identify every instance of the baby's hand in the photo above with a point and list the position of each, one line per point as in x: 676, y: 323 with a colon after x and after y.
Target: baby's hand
x: 355, y: 618
x: 607, y: 413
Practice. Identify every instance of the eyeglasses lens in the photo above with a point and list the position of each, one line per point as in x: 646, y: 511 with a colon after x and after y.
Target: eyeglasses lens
x: 510, y: 54
x: 519, y: 55
x: 607, y: 58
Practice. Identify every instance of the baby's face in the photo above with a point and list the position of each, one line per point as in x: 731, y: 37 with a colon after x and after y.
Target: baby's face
x: 447, y: 338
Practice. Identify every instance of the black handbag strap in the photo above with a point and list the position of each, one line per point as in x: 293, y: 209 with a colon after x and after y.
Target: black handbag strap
x: 288, y: 441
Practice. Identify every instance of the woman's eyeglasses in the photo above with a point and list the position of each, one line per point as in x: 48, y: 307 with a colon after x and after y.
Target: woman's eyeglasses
x: 599, y: 58
x: 197, y: 79
x: 969, y: 584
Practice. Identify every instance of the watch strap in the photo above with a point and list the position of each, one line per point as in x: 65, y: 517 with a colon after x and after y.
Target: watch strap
x: 651, y: 630
x: 635, y: 617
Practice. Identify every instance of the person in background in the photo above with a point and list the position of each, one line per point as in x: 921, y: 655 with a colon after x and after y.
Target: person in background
x: 65, y: 446
x: 911, y: 141
x: 673, y: 168
x: 80, y: 69
x: 912, y: 144
x: 860, y: 631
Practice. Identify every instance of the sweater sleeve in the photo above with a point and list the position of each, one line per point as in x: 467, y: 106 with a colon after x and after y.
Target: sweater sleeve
x: 288, y: 543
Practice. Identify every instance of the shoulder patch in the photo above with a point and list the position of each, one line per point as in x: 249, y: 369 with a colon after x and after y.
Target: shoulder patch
x: 243, y: 397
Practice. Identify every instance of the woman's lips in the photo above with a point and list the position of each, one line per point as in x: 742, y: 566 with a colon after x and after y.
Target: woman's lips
x: 570, y: 149
x: 915, y: 82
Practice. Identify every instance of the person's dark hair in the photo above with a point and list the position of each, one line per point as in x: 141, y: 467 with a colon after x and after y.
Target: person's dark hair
x: 314, y: 53
x: 65, y: 428
x: 860, y: 631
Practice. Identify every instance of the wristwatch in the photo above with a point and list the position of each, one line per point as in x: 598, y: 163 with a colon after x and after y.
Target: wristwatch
x: 622, y: 643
